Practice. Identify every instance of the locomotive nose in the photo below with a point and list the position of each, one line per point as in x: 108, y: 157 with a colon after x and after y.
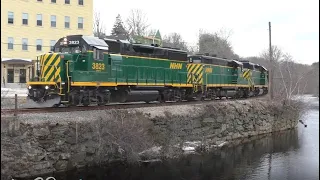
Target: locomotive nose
x: 42, y: 96
x: 50, y: 67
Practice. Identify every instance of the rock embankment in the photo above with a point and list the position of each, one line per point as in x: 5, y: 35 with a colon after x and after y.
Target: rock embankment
x: 43, y: 143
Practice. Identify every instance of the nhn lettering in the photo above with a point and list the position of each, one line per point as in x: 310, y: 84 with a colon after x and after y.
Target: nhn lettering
x: 175, y: 65
x: 208, y: 70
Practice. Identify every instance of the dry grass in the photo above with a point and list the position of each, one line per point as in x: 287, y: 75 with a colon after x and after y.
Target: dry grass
x: 129, y: 132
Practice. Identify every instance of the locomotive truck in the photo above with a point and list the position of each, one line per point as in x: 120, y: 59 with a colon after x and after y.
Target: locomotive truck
x: 86, y: 70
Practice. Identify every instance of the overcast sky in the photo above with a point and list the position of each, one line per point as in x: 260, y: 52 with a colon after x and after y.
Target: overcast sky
x: 294, y: 24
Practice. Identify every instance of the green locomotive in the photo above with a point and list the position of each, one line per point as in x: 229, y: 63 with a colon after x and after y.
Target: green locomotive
x: 86, y: 70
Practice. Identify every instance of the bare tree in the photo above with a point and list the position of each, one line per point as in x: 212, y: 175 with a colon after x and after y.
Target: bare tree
x: 275, y: 58
x: 314, y: 79
x: 216, y: 43
x: 98, y: 28
x: 175, y: 40
x: 151, y: 32
x: 288, y: 78
x: 276, y: 55
x: 290, y: 81
x: 137, y: 23
x: 192, y: 50
x: 224, y: 33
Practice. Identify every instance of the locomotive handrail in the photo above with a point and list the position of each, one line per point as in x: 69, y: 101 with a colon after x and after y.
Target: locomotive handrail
x: 68, y: 77
x: 77, y: 57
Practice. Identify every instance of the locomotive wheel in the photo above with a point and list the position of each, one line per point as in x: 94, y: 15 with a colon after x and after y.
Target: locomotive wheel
x: 177, y: 96
x: 85, y: 101
x: 56, y: 105
x: 100, y: 101
x: 161, y: 98
x: 245, y: 93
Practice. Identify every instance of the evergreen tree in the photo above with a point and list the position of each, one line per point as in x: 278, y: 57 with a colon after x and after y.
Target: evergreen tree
x: 118, y: 28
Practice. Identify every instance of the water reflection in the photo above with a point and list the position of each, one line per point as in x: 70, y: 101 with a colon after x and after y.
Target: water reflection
x: 247, y: 161
x: 297, y: 163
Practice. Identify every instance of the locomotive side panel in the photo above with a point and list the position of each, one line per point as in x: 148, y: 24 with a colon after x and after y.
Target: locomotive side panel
x: 219, y: 76
x: 87, y: 71
x: 134, y: 70
x: 116, y: 70
x: 256, y: 77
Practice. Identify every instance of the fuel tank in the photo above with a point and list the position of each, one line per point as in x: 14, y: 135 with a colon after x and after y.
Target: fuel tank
x: 142, y: 95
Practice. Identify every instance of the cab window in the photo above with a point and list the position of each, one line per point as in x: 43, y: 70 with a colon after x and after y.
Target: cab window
x: 196, y: 61
x: 97, y: 54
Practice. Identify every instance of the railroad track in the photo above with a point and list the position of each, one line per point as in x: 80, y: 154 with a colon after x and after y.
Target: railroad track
x: 109, y: 106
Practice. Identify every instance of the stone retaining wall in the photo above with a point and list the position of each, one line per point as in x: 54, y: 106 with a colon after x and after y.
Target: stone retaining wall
x: 43, y: 143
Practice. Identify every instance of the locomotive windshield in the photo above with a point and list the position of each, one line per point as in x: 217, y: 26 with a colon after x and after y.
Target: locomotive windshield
x: 76, y: 49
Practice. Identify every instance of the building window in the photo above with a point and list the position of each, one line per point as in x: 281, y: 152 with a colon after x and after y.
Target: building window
x: 10, y: 42
x: 80, y: 22
x: 24, y: 44
x: 67, y: 22
x: 53, y: 21
x: 10, y: 17
x: 39, y: 0
x: 39, y: 45
x: 52, y: 43
x: 80, y: 2
x: 39, y: 19
x: 67, y: 1
x: 53, y: 1
x: 25, y: 18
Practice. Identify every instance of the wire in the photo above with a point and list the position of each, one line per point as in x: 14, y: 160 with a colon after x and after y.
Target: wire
x: 25, y: 44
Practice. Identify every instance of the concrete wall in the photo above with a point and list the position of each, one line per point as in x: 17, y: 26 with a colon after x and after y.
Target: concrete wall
x: 42, y: 143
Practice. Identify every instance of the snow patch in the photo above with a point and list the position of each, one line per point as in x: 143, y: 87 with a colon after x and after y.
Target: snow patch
x: 307, y: 99
x: 153, y: 150
x: 190, y: 146
x: 10, y: 92
x: 220, y: 144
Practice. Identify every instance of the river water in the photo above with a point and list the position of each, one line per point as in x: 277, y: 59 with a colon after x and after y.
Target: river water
x: 289, y: 155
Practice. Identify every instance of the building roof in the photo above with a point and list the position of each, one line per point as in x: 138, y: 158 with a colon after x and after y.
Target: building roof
x: 16, y: 61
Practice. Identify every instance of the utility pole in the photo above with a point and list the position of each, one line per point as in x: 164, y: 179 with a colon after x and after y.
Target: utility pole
x: 271, y: 64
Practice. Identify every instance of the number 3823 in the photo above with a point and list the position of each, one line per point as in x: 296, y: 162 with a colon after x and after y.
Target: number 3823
x: 98, y: 66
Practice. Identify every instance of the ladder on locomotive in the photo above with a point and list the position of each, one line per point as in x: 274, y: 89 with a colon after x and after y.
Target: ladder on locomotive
x: 248, y: 77
x: 195, y: 82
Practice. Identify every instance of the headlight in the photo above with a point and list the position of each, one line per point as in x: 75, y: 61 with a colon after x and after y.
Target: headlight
x: 29, y: 87
x: 47, y: 87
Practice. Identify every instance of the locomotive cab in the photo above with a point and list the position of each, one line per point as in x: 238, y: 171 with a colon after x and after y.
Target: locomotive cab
x: 53, y: 68
x: 236, y: 70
